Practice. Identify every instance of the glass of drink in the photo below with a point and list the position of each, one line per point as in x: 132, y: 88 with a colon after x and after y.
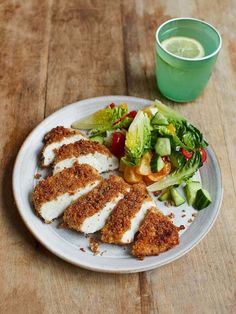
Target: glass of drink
x: 186, y: 51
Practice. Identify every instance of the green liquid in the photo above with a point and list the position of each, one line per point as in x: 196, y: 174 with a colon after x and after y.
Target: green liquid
x: 180, y: 79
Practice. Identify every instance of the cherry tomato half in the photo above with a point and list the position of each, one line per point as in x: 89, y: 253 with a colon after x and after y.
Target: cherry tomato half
x: 186, y: 153
x: 203, y: 154
x: 111, y: 106
x: 132, y: 114
x: 118, y: 144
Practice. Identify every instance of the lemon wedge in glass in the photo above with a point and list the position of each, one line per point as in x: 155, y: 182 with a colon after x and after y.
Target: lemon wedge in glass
x: 184, y: 47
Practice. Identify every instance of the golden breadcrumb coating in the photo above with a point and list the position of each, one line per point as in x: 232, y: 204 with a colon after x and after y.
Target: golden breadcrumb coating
x: 59, y: 133
x: 92, y: 202
x: 79, y: 148
x: 120, y: 219
x: 67, y: 181
x: 157, y: 234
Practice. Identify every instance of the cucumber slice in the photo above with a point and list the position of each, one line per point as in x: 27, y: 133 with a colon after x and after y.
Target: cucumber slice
x: 202, y: 200
x: 159, y: 119
x: 176, y: 197
x: 177, y: 159
x: 97, y: 138
x: 164, y: 196
x: 157, y: 164
x: 191, y: 189
x: 163, y: 147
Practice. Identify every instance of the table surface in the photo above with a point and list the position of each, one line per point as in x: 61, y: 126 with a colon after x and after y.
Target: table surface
x: 57, y: 52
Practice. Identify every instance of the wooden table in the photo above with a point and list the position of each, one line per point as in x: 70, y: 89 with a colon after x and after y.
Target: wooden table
x: 57, y: 52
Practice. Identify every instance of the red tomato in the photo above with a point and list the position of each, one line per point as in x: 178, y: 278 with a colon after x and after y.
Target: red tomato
x: 186, y: 153
x: 203, y: 154
x: 165, y: 158
x: 118, y: 144
x: 111, y: 106
x: 132, y: 114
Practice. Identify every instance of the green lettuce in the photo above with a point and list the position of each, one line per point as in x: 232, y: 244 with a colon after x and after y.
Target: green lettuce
x: 103, y: 120
x: 180, y: 175
x: 138, y: 139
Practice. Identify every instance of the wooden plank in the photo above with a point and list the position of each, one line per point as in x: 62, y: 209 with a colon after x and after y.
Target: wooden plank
x: 86, y: 60
x: 204, y: 280
x: 23, y: 63
x: 86, y: 52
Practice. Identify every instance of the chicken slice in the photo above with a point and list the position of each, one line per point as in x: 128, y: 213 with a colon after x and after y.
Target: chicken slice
x: 52, y: 195
x: 55, y: 139
x: 85, y: 152
x: 90, y: 212
x: 127, y: 216
x: 157, y: 234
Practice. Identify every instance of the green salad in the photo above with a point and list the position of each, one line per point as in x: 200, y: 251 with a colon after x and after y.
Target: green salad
x: 155, y: 145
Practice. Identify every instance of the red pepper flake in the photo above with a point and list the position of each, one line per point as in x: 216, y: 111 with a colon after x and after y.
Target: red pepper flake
x: 82, y: 249
x: 183, y: 216
x: 181, y: 227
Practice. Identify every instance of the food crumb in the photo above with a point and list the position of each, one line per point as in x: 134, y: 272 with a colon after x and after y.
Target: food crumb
x: 194, y: 215
x: 94, y: 245
x: 183, y: 210
x: 82, y: 249
x: 169, y: 203
x: 181, y: 227
x: 37, y: 176
x: 156, y: 193
x: 101, y: 254
x: 62, y: 225
x: 171, y: 215
x: 183, y: 216
x: 190, y: 221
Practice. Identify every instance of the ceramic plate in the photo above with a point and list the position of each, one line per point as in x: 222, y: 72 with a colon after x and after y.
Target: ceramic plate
x: 72, y: 246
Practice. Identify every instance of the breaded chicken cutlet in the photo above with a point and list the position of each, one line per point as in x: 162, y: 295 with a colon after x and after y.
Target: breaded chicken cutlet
x: 54, y: 139
x: 127, y: 216
x: 88, y: 152
x: 157, y: 234
x: 52, y: 195
x: 90, y: 212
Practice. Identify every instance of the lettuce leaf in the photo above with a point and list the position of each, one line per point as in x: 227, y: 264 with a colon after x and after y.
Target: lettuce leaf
x: 178, y: 176
x: 138, y: 139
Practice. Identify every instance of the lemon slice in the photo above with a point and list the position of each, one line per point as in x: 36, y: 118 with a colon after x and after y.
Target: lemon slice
x: 184, y: 47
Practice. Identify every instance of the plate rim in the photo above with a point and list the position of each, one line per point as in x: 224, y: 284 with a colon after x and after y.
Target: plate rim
x: 58, y: 252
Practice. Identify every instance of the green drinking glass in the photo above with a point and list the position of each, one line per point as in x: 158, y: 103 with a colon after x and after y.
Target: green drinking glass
x: 179, y: 78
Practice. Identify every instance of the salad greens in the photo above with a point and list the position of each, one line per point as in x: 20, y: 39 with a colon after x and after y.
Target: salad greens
x: 179, y: 175
x: 138, y: 139
x: 156, y: 142
x: 107, y: 119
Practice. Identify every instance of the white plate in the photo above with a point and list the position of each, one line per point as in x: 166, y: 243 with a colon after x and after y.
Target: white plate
x: 68, y: 244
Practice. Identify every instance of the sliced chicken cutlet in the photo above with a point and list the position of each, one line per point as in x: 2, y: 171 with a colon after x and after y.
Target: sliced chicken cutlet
x: 157, y: 234
x: 90, y: 212
x: 55, y: 139
x: 85, y: 152
x: 52, y: 195
x: 127, y: 216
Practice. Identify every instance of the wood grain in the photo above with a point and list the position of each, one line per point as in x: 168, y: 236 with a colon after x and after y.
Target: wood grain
x: 56, y: 52
x: 204, y: 280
